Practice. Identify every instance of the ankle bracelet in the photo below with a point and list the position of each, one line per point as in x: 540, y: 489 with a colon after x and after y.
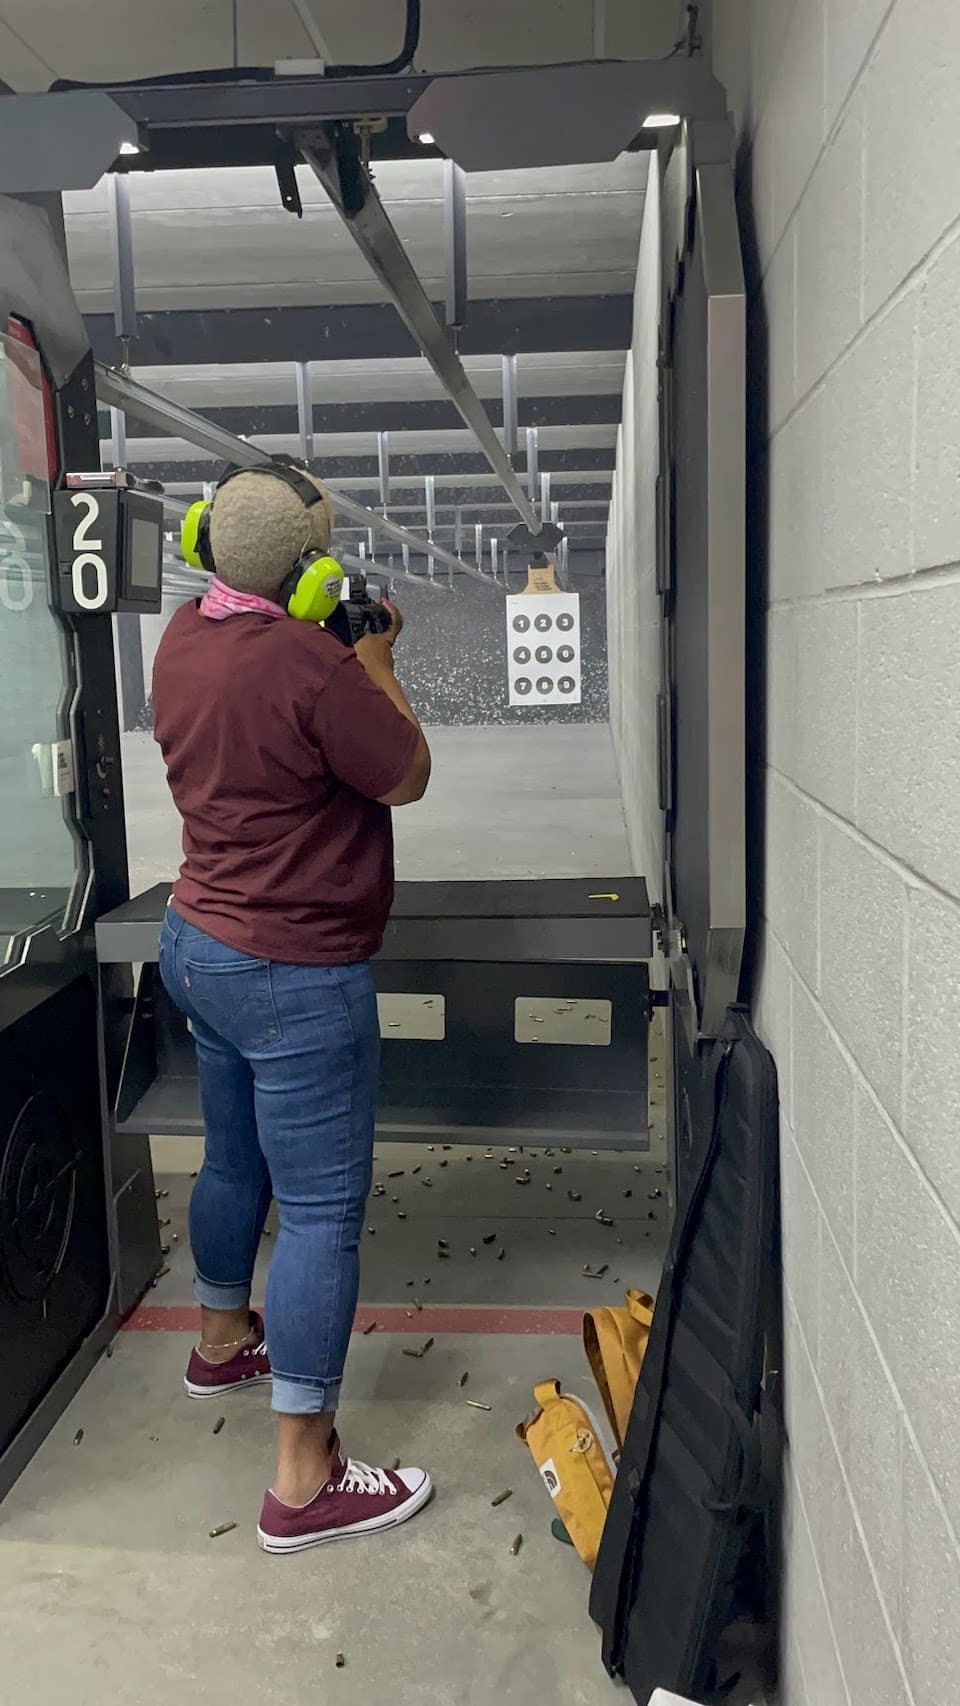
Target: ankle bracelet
x: 229, y: 1343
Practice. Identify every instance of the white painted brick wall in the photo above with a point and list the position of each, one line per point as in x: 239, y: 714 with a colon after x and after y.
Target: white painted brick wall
x: 908, y: 728
x: 792, y: 854
x: 868, y: 443
x: 850, y: 149
x: 812, y: 698
x: 913, y: 142
x: 862, y: 931
x: 828, y: 232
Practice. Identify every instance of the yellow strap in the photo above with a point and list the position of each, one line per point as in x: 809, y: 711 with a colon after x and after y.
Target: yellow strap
x: 594, y: 1353
x: 640, y: 1305
x: 615, y: 1342
x: 547, y: 1392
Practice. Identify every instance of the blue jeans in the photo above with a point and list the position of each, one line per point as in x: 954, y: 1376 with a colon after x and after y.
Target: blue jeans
x: 288, y: 1058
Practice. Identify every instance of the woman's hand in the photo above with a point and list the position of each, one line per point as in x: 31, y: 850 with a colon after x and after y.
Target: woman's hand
x: 396, y: 621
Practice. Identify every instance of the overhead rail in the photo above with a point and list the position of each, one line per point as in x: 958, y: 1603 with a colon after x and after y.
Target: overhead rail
x: 335, y: 160
x: 119, y: 391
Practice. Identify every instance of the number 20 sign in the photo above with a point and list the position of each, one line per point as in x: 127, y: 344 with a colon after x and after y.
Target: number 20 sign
x: 85, y: 580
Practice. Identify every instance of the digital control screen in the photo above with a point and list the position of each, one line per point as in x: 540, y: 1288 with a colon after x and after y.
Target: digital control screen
x: 144, y: 561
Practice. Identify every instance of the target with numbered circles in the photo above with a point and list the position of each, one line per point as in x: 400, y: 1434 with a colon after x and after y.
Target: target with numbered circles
x: 543, y: 648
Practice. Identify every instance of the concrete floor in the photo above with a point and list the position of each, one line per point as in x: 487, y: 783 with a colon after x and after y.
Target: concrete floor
x: 113, y: 1590
x: 502, y: 802
x: 105, y: 1544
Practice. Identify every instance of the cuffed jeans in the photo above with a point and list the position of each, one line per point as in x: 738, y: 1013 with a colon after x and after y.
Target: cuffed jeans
x: 288, y: 1058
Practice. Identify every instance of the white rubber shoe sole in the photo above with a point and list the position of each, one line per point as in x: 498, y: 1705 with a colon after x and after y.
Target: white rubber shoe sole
x: 193, y: 1391
x: 419, y: 1496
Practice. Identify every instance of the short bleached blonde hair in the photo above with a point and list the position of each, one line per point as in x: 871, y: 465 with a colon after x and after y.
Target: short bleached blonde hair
x: 259, y: 527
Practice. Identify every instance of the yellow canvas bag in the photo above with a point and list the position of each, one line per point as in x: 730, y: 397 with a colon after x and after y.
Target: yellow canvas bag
x: 615, y: 1341
x: 574, y: 1454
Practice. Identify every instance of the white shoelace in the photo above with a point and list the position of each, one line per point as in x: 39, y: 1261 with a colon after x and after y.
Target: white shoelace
x: 360, y: 1478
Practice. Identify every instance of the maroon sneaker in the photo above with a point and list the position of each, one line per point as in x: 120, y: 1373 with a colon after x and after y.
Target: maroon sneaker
x: 249, y: 1367
x: 355, y: 1500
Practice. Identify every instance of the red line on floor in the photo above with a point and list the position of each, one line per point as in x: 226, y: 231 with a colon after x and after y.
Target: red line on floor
x: 390, y: 1318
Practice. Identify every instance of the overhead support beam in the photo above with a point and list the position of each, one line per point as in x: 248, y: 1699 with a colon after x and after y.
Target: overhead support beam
x: 510, y: 405
x: 383, y: 469
x: 124, y: 286
x: 363, y: 331
x: 390, y: 414
x: 159, y: 461
x: 312, y: 31
x: 533, y: 480
x: 579, y: 490
x: 124, y: 298
x: 118, y: 438
x: 354, y: 197
x: 118, y: 390
x: 430, y: 499
x: 455, y: 244
x: 305, y: 410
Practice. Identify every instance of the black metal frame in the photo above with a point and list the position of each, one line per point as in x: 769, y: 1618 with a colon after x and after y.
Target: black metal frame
x: 59, y: 1013
x: 480, y: 947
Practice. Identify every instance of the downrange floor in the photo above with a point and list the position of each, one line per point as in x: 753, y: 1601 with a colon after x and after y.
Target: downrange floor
x: 522, y: 801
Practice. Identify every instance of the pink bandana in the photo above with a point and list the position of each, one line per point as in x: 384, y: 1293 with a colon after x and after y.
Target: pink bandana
x: 221, y: 601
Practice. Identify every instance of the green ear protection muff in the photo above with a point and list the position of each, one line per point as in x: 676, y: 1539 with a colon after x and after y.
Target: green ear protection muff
x: 312, y: 590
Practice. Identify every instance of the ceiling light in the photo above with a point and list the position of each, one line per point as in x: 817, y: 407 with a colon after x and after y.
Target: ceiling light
x: 427, y: 138
x: 660, y: 121
x: 129, y: 147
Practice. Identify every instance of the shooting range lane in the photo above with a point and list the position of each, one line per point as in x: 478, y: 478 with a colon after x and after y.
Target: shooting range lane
x: 502, y: 802
x: 156, y: 1479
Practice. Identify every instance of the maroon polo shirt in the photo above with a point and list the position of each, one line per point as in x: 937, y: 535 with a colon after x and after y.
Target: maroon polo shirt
x: 277, y: 746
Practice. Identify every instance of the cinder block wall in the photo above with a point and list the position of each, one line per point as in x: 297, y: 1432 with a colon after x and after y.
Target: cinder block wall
x: 850, y: 182
x: 633, y: 607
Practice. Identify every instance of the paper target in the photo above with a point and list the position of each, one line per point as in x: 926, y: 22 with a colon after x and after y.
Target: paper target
x: 543, y: 648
